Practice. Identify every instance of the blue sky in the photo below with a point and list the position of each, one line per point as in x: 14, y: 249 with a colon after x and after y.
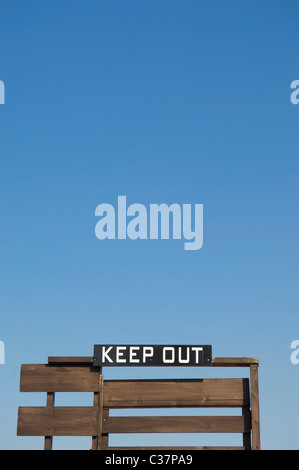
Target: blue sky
x: 161, y: 101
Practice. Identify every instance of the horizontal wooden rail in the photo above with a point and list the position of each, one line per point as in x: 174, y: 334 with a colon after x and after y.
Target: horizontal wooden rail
x: 45, y: 378
x: 234, y: 361
x: 176, y: 424
x: 57, y: 421
x: 81, y: 421
x: 227, y: 393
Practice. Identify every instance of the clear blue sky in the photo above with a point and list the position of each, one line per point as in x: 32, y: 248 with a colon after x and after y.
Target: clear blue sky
x: 161, y: 101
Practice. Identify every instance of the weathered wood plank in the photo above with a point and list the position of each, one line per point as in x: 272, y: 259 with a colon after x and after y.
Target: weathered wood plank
x: 255, y: 413
x: 175, y: 424
x: 105, y: 436
x: 176, y: 393
x: 97, y: 405
x: 45, y: 378
x: 100, y: 415
x: 57, y: 421
x: 234, y: 361
x: 48, y: 444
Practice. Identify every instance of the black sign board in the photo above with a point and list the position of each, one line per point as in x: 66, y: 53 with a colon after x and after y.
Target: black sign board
x: 149, y: 355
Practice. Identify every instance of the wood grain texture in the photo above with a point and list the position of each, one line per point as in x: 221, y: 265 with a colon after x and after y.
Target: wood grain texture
x: 45, y: 378
x: 48, y: 443
x: 234, y: 361
x: 176, y: 393
x: 57, y: 421
x: 255, y: 413
x: 99, y: 442
x: 175, y: 424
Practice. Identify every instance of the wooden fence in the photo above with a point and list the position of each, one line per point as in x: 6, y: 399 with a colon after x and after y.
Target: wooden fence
x: 77, y: 374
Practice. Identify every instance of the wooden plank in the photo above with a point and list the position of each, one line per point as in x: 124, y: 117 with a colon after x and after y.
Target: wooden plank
x: 50, y: 403
x: 234, y: 361
x: 105, y: 436
x: 58, y: 421
x: 100, y: 415
x: 45, y: 378
x: 176, y: 393
x: 175, y: 424
x: 255, y: 414
x: 96, y: 404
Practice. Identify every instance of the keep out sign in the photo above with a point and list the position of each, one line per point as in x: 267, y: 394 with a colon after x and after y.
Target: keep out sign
x: 152, y: 355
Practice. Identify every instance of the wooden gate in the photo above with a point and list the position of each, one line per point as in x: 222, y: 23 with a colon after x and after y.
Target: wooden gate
x: 78, y: 374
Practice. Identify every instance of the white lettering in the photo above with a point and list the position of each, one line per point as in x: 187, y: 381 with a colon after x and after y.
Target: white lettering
x: 133, y: 354
x: 187, y: 359
x: 105, y: 354
x: 116, y: 460
x: 147, y: 352
x: 119, y: 353
x: 171, y: 359
x: 196, y: 353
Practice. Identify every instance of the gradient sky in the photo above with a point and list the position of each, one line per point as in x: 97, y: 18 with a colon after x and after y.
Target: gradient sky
x: 162, y: 101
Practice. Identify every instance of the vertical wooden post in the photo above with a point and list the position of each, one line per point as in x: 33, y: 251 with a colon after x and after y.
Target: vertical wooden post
x: 255, y: 412
x: 105, y: 437
x: 50, y: 404
x: 98, y: 403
